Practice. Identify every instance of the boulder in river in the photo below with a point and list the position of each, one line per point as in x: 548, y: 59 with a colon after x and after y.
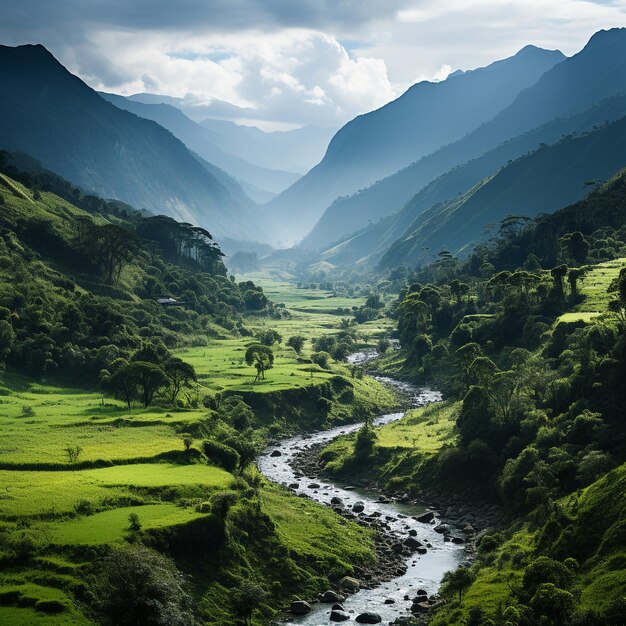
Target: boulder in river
x: 336, y: 500
x: 349, y: 583
x: 314, y: 486
x: 339, y: 616
x: 358, y: 507
x: 413, y: 543
x: 300, y: 607
x: 294, y: 486
x: 330, y: 596
x: 369, y: 618
x: 389, y: 601
x: 425, y: 518
x: 276, y: 453
x: 442, y: 529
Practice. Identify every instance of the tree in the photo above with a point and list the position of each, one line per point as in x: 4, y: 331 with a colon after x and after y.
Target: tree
x: 117, y: 378
x: 261, y: 357
x: 180, y: 374
x: 558, y: 277
x: 246, y: 598
x: 457, y: 581
x: 321, y: 359
x: 269, y: 337
x: 296, y: 342
x: 149, y: 378
x: 576, y: 246
x: 137, y: 586
x: 554, y: 603
x: 7, y: 338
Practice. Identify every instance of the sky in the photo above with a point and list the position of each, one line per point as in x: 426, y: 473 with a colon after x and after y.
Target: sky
x: 285, y: 63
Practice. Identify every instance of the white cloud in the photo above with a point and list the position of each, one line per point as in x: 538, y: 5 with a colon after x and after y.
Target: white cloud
x: 282, y: 62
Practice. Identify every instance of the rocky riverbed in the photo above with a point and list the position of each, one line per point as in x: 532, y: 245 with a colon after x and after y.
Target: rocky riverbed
x: 415, y: 544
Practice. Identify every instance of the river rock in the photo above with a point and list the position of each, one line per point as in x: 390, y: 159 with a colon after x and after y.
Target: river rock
x: 425, y: 518
x: 458, y: 540
x: 294, y: 486
x: 337, y: 607
x: 339, y: 616
x: 413, y: 543
x: 420, y: 607
x: 369, y: 618
x: 389, y: 601
x: 358, y: 507
x: 300, y: 607
x: 347, y: 582
x: 442, y: 529
x: 314, y: 486
x: 330, y: 596
x: 336, y: 500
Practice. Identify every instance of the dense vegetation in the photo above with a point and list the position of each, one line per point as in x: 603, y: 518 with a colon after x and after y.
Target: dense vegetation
x: 527, y: 340
x: 130, y: 418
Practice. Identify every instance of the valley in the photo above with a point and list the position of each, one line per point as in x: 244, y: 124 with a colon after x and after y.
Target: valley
x: 302, y: 324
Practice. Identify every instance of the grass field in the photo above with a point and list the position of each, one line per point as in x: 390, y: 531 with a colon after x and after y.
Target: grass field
x: 59, y: 505
x: 594, y: 287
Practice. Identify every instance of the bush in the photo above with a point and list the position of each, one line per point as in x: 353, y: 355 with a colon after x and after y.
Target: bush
x: 136, y: 585
x: 221, y: 454
x: 321, y: 359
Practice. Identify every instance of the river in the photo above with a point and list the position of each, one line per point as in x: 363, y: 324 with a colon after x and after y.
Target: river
x: 423, y: 571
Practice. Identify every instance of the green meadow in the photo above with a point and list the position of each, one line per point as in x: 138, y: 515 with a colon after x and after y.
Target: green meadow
x: 134, y: 462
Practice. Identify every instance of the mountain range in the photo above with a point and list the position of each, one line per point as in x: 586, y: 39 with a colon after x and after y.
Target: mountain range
x: 425, y: 118
x: 260, y: 183
x: 52, y: 115
x: 577, y: 94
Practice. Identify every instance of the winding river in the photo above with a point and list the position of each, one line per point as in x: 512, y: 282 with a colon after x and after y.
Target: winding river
x: 423, y: 571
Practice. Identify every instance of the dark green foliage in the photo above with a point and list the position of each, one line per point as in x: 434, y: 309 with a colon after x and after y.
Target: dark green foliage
x: 137, y: 586
x: 82, y: 281
x: 261, y: 357
x: 221, y: 454
x: 246, y: 598
x: 296, y: 342
x: 457, y: 581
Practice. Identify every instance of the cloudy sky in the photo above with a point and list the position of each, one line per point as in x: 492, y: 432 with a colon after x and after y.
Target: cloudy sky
x: 285, y: 63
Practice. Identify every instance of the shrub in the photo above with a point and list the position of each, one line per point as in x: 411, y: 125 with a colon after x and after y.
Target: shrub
x: 137, y: 585
x: 221, y: 454
x: 321, y: 359
x: 134, y: 523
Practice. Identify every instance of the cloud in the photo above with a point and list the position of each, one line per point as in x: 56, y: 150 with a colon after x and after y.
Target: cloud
x: 292, y: 62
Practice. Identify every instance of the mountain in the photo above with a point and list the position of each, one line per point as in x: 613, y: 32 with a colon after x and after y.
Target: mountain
x: 52, y: 115
x: 425, y: 118
x: 295, y: 151
x: 594, y: 74
x: 541, y: 182
x: 369, y: 244
x: 258, y: 181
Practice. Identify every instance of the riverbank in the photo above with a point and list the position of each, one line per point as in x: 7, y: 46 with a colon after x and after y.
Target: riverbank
x: 414, y: 545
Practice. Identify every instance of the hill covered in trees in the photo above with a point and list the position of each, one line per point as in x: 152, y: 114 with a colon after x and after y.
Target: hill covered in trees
x: 527, y: 340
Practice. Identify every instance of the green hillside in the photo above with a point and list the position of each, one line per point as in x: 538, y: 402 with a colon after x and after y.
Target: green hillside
x: 93, y: 470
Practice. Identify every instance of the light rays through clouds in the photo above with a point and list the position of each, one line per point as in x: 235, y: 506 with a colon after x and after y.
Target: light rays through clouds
x: 285, y: 63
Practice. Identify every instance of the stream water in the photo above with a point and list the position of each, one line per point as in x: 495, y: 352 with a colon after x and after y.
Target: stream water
x: 423, y: 571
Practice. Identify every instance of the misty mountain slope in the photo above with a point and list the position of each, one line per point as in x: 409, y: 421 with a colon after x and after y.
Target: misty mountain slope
x: 296, y: 150
x: 541, y: 182
x: 426, y: 117
x: 596, y: 73
x: 52, y: 115
x: 368, y: 245
x: 202, y: 141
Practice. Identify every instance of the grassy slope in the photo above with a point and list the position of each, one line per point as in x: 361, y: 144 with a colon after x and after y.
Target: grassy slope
x: 403, y: 448
x: 38, y: 506
x: 594, y: 288
x: 601, y: 577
